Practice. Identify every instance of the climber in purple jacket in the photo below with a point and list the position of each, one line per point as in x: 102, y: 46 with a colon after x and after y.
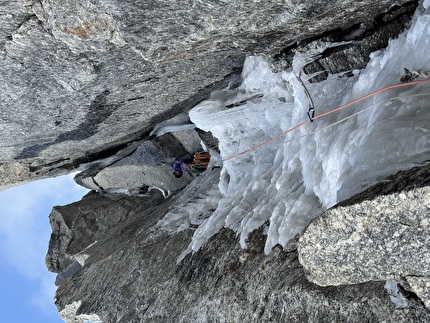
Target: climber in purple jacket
x: 180, y: 165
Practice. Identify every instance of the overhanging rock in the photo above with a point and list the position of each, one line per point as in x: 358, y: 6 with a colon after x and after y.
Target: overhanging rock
x: 79, y: 80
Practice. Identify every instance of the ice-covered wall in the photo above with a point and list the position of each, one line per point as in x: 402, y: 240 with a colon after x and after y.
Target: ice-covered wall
x: 80, y: 80
x: 289, y: 181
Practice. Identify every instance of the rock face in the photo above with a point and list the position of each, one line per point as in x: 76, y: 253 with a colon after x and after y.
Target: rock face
x: 126, y: 270
x: 82, y: 79
x: 136, y: 280
x: 87, y: 82
x: 384, y: 238
x: 76, y: 226
x: 372, y: 244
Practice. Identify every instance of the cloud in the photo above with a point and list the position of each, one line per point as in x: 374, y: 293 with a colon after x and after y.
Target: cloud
x: 25, y: 230
x: 24, y: 222
x: 43, y: 297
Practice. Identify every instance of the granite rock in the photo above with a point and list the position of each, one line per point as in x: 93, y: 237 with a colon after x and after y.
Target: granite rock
x: 421, y: 286
x: 86, y: 82
x: 81, y: 80
x: 145, y: 164
x: 132, y: 275
x: 79, y: 225
x: 386, y: 237
x: 129, y: 271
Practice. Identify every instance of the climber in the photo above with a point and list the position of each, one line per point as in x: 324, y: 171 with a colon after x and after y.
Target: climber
x: 180, y: 165
x: 410, y: 76
x: 198, y: 164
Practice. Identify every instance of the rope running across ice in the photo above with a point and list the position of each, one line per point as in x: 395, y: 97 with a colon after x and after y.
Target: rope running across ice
x: 390, y: 87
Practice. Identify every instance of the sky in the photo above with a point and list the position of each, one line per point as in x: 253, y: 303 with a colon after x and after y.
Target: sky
x: 27, y: 288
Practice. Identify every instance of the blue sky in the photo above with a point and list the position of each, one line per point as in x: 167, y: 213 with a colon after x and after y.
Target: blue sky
x: 27, y: 288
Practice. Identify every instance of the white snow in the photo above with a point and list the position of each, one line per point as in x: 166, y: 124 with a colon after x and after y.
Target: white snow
x: 177, y: 123
x: 69, y: 314
x: 291, y: 180
x: 396, y: 296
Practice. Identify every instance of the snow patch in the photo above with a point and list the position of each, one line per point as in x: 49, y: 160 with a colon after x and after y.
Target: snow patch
x: 178, y: 123
x: 68, y: 314
x: 396, y: 296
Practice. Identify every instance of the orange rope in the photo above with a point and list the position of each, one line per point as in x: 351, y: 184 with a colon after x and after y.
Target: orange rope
x: 399, y: 85
x: 370, y: 95
x: 265, y: 142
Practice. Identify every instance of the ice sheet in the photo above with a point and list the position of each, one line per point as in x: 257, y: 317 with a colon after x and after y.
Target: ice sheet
x: 286, y: 183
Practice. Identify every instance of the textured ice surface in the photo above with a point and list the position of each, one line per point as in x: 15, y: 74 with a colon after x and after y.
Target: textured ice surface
x: 291, y: 180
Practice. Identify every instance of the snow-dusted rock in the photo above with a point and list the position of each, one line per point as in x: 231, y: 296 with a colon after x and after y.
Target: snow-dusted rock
x: 70, y: 314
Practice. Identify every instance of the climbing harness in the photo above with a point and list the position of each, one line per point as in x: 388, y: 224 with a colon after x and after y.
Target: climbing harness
x: 200, y: 161
x: 313, y: 117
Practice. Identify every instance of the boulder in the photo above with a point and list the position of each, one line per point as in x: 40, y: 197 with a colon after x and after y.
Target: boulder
x: 149, y: 165
x: 386, y: 237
